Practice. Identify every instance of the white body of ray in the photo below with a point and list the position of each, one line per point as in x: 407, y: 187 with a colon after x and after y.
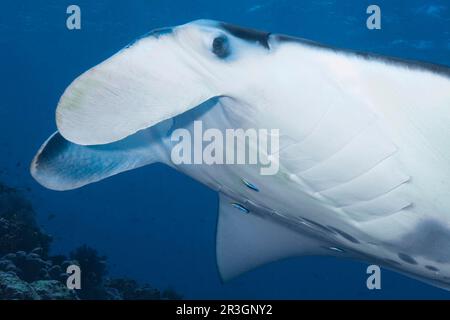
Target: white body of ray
x: 364, y: 143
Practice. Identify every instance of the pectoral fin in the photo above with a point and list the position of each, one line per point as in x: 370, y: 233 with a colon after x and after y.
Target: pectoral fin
x: 246, y: 240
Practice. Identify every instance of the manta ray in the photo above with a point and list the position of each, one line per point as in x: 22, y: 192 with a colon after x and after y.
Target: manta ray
x: 363, y: 155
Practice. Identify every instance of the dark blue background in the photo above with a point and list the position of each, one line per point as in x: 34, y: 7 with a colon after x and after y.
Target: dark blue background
x: 155, y: 224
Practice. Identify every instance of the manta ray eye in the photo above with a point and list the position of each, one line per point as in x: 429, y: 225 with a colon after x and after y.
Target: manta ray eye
x: 221, y: 47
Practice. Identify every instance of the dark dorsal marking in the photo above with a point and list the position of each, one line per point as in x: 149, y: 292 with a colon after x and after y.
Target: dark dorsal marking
x: 319, y: 226
x: 250, y: 35
x: 432, y: 268
x: 410, y: 64
x: 392, y: 262
x: 154, y: 33
x: 159, y: 32
x: 407, y: 258
x: 343, y: 234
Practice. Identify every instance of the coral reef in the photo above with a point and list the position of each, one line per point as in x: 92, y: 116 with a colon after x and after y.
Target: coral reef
x: 18, y: 228
x: 93, y: 273
x: 130, y: 290
x: 53, y: 290
x: 28, y: 272
x: 12, y: 287
x: 28, y: 266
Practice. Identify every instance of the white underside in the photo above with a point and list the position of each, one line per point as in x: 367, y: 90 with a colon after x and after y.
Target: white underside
x: 364, y: 150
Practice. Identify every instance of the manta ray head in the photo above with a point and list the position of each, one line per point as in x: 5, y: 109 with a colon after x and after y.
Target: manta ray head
x: 163, y: 74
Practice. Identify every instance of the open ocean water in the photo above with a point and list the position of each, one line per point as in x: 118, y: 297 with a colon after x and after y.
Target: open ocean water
x: 154, y: 224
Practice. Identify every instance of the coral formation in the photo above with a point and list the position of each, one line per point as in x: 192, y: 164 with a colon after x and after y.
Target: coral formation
x: 18, y: 228
x: 94, y: 271
x: 28, y: 272
x: 130, y: 290
x: 12, y: 287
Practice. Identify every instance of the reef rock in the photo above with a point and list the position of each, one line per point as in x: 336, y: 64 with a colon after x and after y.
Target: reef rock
x: 53, y: 290
x: 13, y: 288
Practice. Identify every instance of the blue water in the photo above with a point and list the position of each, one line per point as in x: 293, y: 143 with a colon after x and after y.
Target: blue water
x: 154, y: 224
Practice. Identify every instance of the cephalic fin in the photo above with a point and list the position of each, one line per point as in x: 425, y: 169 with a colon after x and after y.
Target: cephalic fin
x: 62, y: 165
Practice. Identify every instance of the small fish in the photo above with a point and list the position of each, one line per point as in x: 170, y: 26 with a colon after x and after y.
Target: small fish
x: 240, y: 207
x: 250, y: 185
x: 336, y: 249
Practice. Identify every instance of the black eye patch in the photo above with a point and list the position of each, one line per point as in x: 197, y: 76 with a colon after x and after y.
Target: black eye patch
x: 251, y: 35
x: 221, y: 47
